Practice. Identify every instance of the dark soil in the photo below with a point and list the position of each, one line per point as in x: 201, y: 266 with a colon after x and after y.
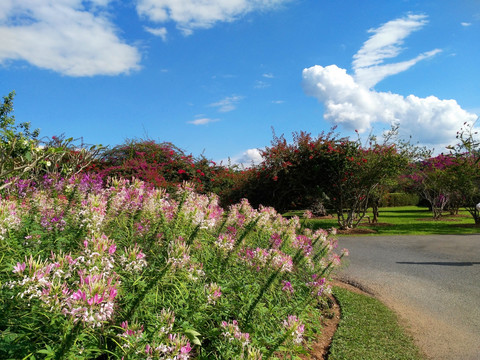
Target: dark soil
x: 321, y: 346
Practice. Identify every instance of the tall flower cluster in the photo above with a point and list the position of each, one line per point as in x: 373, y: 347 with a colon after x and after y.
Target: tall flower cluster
x: 10, y: 217
x: 83, y: 288
x: 93, y: 212
x: 294, y: 328
x: 50, y: 210
x: 231, y: 332
x: 214, y: 292
x: 113, y: 258
x: 266, y: 258
x: 166, y: 345
x: 201, y: 209
x: 318, y: 285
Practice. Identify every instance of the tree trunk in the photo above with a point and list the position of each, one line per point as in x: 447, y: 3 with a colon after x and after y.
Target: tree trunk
x: 375, y: 206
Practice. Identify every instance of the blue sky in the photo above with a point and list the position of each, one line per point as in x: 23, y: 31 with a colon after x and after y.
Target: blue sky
x: 215, y: 76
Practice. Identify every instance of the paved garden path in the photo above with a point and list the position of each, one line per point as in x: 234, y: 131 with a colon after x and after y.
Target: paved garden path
x: 432, y: 282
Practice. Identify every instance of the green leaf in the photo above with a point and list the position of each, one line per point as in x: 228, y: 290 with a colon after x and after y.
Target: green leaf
x: 193, y: 336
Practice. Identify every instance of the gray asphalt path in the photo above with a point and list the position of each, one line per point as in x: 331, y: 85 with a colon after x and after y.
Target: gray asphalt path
x: 432, y: 282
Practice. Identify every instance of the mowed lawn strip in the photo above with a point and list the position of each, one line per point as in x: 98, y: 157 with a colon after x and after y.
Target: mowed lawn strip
x: 406, y: 220
x: 368, y: 330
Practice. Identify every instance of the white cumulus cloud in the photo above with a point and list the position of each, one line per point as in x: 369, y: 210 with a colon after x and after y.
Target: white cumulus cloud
x: 197, y: 14
x: 350, y: 100
x: 247, y: 158
x: 72, y: 37
x: 430, y: 120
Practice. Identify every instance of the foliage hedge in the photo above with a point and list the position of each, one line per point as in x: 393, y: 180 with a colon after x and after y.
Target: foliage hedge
x: 399, y: 199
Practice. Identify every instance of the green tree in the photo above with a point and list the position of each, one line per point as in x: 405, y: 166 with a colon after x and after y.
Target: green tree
x: 341, y: 170
x: 19, y: 146
x: 434, y: 180
x: 466, y: 172
x: 23, y: 154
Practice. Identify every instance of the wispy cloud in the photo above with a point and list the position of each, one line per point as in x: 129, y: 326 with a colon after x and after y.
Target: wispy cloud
x: 259, y: 84
x: 160, y: 32
x: 65, y: 36
x: 203, y: 121
x: 466, y: 24
x: 349, y: 100
x: 190, y: 15
x: 227, y: 104
x: 268, y: 75
x: 386, y: 43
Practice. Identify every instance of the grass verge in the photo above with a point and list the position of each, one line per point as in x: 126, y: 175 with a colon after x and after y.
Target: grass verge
x: 368, y: 330
x: 407, y: 220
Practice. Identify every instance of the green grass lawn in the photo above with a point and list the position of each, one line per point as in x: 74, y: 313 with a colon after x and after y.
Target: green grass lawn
x: 407, y: 220
x: 368, y: 330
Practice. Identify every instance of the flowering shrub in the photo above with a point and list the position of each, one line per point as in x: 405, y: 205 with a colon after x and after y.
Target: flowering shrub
x: 129, y: 271
x: 432, y: 180
x: 338, y: 171
x: 163, y: 165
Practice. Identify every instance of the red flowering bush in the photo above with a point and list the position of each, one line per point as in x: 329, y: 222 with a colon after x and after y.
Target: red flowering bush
x: 339, y: 171
x: 161, y: 165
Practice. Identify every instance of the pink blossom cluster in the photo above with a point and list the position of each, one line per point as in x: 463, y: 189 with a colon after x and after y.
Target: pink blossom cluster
x: 201, y: 209
x: 63, y: 286
x: 287, y: 287
x: 50, y: 210
x: 178, y: 253
x: 225, y: 242
x: 83, y: 288
x: 10, y: 217
x: 174, y: 347
x: 334, y: 259
x: 266, y: 258
x: 93, y: 301
x: 303, y: 242
x: 276, y: 240
x: 167, y: 345
x: 241, y: 214
x: 232, y: 332
x: 180, y: 260
x: 214, y: 292
x: 133, y: 259
x: 93, y: 212
x: 295, y: 328
x: 281, y: 261
x: 317, y: 285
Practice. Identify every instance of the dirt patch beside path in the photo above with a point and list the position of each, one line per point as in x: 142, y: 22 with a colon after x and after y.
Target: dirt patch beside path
x: 322, y: 344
